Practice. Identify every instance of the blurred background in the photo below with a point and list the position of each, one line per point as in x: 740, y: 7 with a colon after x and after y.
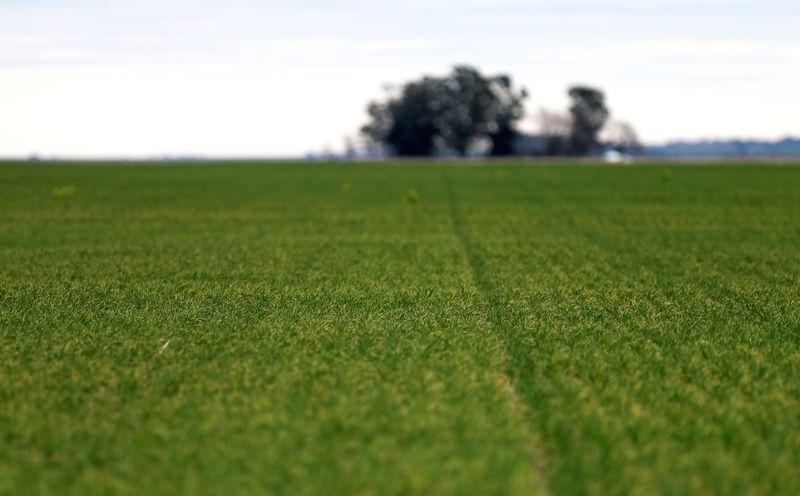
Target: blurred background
x: 247, y: 79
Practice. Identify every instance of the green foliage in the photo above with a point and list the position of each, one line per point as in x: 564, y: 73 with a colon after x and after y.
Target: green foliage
x: 297, y: 329
x: 64, y: 191
x: 412, y: 196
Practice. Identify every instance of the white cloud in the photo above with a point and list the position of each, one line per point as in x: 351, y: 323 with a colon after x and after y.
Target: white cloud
x: 173, y: 77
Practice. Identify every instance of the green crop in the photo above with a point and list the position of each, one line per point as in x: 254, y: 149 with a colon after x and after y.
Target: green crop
x: 399, y: 328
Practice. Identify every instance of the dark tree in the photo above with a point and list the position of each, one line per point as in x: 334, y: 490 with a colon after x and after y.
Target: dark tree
x: 589, y: 113
x: 508, y: 110
x: 406, y: 122
x: 465, y: 109
x: 449, y: 114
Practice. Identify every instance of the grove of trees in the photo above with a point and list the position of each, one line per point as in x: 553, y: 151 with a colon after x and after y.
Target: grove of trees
x: 466, y: 113
x: 452, y: 114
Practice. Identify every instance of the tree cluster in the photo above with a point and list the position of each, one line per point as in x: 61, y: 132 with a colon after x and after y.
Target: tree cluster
x: 456, y: 114
x: 466, y: 112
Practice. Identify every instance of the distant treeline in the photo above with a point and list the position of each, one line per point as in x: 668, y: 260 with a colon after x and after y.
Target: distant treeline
x: 788, y: 147
x: 466, y: 113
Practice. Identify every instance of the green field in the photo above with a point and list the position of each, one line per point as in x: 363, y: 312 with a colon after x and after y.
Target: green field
x: 399, y: 328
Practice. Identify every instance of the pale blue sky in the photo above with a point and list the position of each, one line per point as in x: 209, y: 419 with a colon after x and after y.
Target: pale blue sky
x: 247, y: 78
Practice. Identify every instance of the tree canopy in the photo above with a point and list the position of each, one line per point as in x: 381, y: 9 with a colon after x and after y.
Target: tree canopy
x: 466, y: 113
x: 589, y: 113
x: 452, y: 114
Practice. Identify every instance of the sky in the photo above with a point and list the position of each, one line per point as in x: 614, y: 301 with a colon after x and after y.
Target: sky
x: 241, y: 78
